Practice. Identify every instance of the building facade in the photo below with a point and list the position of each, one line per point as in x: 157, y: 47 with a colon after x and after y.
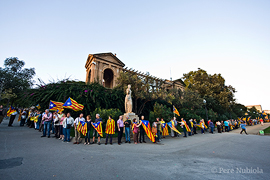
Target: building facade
x: 105, y: 69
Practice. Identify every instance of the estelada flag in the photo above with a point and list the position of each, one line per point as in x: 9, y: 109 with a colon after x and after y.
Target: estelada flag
x: 20, y: 116
x: 110, y: 127
x: 38, y: 106
x: 165, y: 131
x: 98, y: 127
x: 147, y: 129
x: 72, y: 104
x: 54, y: 106
x: 10, y: 111
x: 173, y: 127
x: 187, y: 128
x: 82, y: 127
x: 175, y: 111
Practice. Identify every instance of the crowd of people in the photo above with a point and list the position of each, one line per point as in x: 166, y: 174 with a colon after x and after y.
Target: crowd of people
x: 60, y: 125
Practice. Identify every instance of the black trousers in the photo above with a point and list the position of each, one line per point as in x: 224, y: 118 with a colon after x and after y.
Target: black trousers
x: 120, y: 134
x: 244, y: 131
x: 107, y: 135
x: 142, y: 132
x: 11, y: 119
x: 194, y: 129
x: 57, y: 131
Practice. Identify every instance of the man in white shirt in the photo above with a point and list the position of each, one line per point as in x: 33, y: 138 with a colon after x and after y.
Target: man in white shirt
x: 77, y: 133
x: 67, y: 123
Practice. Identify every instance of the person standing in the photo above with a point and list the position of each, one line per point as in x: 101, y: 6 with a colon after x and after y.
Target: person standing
x: 202, y: 126
x: 87, y: 136
x: 1, y: 113
x: 226, y: 124
x: 182, y: 124
x: 261, y: 121
x: 12, y: 117
x: 47, y: 118
x: 158, y: 129
x: 39, y: 120
x: 142, y: 132
x: 194, y: 126
x: 127, y: 124
x: 172, y: 132
x: 120, y: 126
x: 135, y: 130
x: 191, y: 126
x: 110, y: 129
x: 243, y: 127
x: 61, y: 125
x: 77, y: 133
x: 154, y: 131
x: 95, y: 133
x: 218, y: 126
x: 56, y: 123
x: 24, y: 113
x: 67, y: 123
x: 175, y: 125
x: 211, y: 126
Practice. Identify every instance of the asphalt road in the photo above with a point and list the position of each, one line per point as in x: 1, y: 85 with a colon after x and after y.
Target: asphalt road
x: 24, y: 155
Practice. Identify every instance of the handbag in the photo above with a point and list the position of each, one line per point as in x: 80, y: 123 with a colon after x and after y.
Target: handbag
x: 154, y: 130
x: 68, y: 125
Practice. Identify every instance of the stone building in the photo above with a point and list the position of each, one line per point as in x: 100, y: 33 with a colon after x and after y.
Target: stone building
x: 105, y: 68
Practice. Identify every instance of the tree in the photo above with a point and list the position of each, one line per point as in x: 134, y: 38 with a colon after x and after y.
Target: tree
x: 14, y: 78
x: 218, y: 96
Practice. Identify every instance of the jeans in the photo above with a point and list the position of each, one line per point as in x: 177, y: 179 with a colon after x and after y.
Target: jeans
x: 212, y: 130
x: 52, y: 127
x: 127, y: 133
x: 226, y: 128
x: 61, y: 130
x: 87, y: 137
x: 22, y: 122
x: 202, y: 130
x: 185, y: 132
x: 158, y: 135
x: 38, y: 123
x: 66, y: 134
x: 46, y: 127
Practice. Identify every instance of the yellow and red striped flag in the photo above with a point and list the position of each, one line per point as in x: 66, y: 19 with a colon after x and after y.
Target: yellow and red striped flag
x: 165, y: 131
x: 98, y: 127
x: 110, y: 127
x: 54, y: 106
x: 82, y: 127
x: 72, y: 104
x: 147, y: 129
x: 20, y: 116
x: 10, y: 111
x: 187, y: 128
x: 175, y: 111
x: 173, y: 127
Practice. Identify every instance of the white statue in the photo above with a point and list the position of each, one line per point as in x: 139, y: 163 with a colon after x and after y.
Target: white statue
x: 128, y: 100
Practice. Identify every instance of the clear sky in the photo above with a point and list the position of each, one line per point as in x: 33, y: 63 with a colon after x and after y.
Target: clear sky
x: 230, y: 37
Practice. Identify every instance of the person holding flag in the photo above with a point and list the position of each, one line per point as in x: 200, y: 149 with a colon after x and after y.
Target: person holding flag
x: 110, y: 129
x: 12, y: 113
x: 77, y: 133
x: 95, y: 133
x: 135, y: 128
x: 142, y: 132
x: 87, y: 136
x: 184, y: 126
x: 164, y: 127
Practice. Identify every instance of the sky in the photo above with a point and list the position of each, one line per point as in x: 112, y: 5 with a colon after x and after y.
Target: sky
x: 166, y: 38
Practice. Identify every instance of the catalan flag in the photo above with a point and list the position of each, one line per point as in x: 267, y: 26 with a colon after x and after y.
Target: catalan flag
x: 203, y: 124
x: 38, y: 106
x: 98, y: 127
x: 147, y: 129
x: 165, y: 131
x: 10, y: 111
x: 110, y: 127
x: 175, y: 111
x: 20, y: 116
x: 186, y: 126
x: 54, y: 106
x: 173, y: 127
x: 82, y: 127
x: 72, y: 104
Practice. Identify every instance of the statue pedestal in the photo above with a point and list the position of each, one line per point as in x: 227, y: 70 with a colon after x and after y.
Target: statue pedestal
x: 131, y: 116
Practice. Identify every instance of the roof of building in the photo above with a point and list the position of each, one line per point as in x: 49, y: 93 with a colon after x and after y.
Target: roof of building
x: 100, y: 56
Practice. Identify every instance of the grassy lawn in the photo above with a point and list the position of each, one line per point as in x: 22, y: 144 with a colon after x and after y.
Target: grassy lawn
x: 267, y: 130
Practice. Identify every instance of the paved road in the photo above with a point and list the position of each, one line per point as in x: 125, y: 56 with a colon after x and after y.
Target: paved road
x: 24, y: 155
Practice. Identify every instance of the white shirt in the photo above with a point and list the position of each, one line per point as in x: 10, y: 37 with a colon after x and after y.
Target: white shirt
x: 67, y: 120
x: 78, y: 119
